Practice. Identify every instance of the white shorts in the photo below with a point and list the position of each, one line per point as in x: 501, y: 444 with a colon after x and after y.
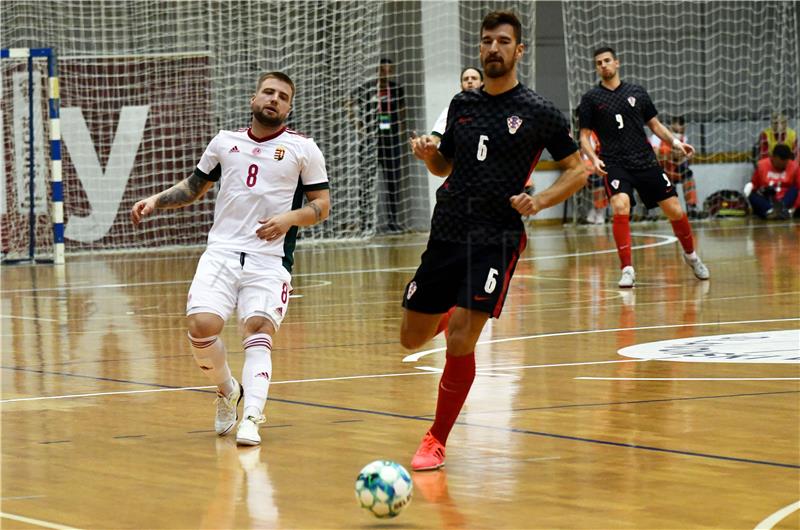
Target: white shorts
x: 255, y: 285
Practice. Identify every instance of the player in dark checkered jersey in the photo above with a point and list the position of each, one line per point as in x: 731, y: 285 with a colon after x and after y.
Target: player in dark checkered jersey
x: 491, y: 144
x: 617, y: 112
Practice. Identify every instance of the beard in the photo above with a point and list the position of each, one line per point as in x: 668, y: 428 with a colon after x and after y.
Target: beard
x: 494, y: 68
x: 607, y: 74
x: 268, y: 120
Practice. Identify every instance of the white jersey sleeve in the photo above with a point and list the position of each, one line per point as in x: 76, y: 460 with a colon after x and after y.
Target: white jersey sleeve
x: 210, y: 158
x: 441, y: 123
x: 312, y: 171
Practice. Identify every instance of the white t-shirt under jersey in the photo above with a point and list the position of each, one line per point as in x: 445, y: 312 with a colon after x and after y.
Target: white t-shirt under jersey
x: 259, y: 178
x: 441, y: 123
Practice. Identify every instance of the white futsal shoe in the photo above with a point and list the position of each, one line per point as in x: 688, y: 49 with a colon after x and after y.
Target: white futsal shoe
x: 247, y: 433
x: 628, y: 277
x: 698, y: 268
x: 227, y: 406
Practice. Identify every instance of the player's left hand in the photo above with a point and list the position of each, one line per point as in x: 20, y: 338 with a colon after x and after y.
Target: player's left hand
x: 686, y: 149
x: 273, y: 227
x: 424, y: 147
x: 525, y: 204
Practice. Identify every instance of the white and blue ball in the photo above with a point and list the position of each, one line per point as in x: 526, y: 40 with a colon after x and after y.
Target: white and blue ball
x: 384, y: 488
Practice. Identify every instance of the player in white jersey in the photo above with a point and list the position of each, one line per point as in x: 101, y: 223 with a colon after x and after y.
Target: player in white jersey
x: 263, y: 171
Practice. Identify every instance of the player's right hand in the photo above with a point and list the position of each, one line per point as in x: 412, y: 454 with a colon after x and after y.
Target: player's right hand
x: 599, y: 167
x: 142, y: 209
x: 423, y: 147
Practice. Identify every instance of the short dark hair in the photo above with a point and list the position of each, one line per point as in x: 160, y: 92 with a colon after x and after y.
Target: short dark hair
x: 605, y: 49
x: 480, y: 74
x: 680, y: 120
x: 782, y: 151
x: 276, y: 75
x: 386, y: 60
x: 495, y: 18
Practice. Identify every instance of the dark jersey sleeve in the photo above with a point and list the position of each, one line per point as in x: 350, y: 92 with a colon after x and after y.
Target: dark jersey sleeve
x: 560, y: 143
x: 585, y: 112
x: 648, y: 109
x: 212, y: 176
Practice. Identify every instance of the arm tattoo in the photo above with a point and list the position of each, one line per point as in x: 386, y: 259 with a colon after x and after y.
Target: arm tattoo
x: 183, y: 193
x: 317, y: 210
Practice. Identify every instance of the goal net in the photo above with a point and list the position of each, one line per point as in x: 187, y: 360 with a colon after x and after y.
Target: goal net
x: 26, y: 229
x: 146, y: 84
x: 725, y: 66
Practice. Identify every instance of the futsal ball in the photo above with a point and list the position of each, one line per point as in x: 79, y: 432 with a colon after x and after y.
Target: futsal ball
x: 384, y: 488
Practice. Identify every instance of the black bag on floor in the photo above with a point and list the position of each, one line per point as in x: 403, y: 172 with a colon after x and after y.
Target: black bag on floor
x: 726, y: 203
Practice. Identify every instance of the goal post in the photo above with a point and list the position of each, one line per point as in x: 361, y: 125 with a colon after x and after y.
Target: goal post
x: 26, y: 205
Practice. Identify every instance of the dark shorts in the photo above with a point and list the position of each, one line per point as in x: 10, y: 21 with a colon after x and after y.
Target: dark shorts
x: 652, y: 184
x: 471, y: 276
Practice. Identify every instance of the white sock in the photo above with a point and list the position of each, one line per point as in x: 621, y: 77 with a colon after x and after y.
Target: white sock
x: 693, y: 256
x: 256, y: 373
x: 210, y: 355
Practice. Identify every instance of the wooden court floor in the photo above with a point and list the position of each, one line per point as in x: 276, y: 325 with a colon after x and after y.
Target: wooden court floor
x: 107, y: 422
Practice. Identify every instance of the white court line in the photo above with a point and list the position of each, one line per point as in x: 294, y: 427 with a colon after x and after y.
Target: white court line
x: 151, y: 390
x: 424, y: 370
x: 29, y: 318
x: 490, y: 368
x: 778, y: 516
x: 666, y: 241
x: 35, y: 522
x: 94, y: 394
x: 417, y: 356
x: 690, y: 378
x: 478, y: 371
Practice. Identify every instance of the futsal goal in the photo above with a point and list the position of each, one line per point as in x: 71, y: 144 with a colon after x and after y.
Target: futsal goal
x: 31, y: 194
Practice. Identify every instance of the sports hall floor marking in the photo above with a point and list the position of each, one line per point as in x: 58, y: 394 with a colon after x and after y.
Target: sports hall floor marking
x: 522, y: 431
x: 666, y: 240
x: 409, y: 358
x: 418, y: 355
x: 689, y: 378
x: 778, y: 516
x: 35, y: 522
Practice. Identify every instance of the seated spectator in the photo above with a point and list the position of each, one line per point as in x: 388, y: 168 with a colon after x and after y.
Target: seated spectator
x: 773, y: 190
x: 676, y: 165
x: 778, y: 132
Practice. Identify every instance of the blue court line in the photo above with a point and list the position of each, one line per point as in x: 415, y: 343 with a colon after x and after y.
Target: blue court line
x: 634, y: 402
x: 546, y: 434
x: 99, y: 378
x: 427, y: 419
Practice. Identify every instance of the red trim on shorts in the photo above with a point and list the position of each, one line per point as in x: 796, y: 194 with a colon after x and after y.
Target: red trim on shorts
x: 523, y: 241
x: 606, y: 185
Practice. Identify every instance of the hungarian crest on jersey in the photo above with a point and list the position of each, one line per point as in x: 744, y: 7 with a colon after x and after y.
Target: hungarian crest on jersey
x: 632, y: 101
x: 514, y: 123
